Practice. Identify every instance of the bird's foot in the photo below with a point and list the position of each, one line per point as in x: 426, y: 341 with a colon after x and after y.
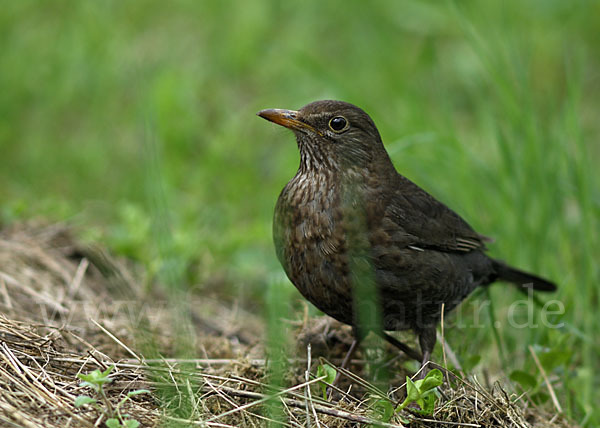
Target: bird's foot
x: 424, y: 365
x: 345, y: 363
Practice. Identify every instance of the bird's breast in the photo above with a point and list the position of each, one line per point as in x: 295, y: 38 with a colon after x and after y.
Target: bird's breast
x: 307, y: 217
x: 309, y: 235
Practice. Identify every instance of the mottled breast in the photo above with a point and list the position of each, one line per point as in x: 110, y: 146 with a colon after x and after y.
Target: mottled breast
x: 310, y: 241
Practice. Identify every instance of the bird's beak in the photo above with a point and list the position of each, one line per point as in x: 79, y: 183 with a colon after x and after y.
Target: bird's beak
x: 287, y: 118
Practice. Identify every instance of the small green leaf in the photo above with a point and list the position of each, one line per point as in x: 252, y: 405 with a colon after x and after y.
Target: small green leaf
x: 106, y: 372
x: 433, y: 379
x: 423, y: 391
x: 94, y: 386
x: 329, y: 373
x: 83, y: 399
x: 91, y: 377
x: 113, y: 423
x: 138, y: 392
x: 384, y: 410
x: 429, y: 400
x: 524, y: 379
x: 412, y: 390
x: 131, y: 423
x: 327, y: 370
x: 95, y: 378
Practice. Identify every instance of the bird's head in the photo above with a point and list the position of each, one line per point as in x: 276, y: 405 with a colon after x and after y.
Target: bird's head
x: 331, y: 134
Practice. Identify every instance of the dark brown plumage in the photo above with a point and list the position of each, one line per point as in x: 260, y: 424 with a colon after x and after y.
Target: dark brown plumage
x: 347, y: 217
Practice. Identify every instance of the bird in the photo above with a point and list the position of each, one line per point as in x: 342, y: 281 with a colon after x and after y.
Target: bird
x: 366, y: 245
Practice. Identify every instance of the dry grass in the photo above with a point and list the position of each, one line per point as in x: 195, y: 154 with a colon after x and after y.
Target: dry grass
x: 70, y: 309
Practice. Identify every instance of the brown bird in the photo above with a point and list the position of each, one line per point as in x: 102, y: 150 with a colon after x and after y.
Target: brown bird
x: 352, y: 234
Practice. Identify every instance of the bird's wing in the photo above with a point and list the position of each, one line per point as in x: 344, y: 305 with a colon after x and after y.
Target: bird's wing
x: 428, y: 222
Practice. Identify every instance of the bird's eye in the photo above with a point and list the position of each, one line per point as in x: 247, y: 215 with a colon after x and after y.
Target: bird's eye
x: 338, y: 124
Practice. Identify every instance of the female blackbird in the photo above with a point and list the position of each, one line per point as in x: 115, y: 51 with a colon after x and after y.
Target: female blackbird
x: 348, y: 218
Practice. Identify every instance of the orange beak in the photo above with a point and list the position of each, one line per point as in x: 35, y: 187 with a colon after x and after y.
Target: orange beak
x: 287, y: 118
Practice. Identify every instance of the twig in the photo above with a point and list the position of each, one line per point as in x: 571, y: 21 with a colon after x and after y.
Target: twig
x: 37, y: 296
x: 373, y: 389
x: 462, y: 424
x: 308, y: 397
x: 256, y: 362
x: 113, y: 337
x: 548, y: 384
x: 301, y: 405
x: 451, y: 355
x: 77, y: 278
x: 265, y: 398
x: 219, y: 392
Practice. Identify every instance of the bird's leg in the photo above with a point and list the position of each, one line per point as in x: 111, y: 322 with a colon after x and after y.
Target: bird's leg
x: 350, y: 353
x: 412, y: 353
x: 427, y: 338
x: 355, y: 342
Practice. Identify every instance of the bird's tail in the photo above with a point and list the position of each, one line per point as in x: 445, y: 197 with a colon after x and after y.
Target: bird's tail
x: 523, y: 280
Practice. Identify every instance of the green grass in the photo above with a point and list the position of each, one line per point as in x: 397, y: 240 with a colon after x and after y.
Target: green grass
x: 136, y: 121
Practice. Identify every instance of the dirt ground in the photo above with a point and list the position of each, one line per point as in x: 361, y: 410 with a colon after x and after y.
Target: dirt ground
x: 69, y: 309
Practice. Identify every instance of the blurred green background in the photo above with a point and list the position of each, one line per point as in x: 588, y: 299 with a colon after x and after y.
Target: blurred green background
x: 136, y: 121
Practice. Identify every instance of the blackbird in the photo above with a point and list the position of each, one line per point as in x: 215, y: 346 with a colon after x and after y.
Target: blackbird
x: 348, y: 217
